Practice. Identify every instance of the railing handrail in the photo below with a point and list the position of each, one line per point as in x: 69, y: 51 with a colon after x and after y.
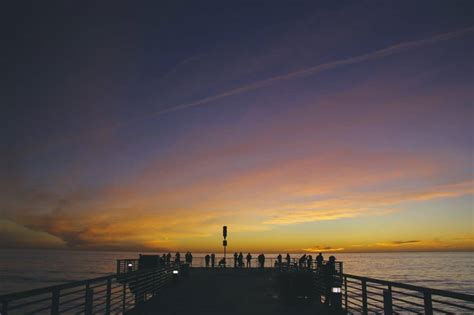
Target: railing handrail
x: 133, y: 287
x: 440, y: 292
x: 63, y: 286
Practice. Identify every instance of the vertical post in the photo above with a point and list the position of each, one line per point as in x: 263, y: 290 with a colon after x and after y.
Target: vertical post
x: 345, y: 294
x: 387, y: 302
x: 124, y: 297
x: 365, y: 310
x: 4, y: 307
x: 55, y: 302
x: 88, y: 307
x: 137, y: 290
x: 153, y: 283
x: 108, y: 296
x: 428, y: 303
x: 224, y: 243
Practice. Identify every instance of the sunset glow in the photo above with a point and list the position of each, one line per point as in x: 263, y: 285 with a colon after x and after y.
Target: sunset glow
x: 299, y: 134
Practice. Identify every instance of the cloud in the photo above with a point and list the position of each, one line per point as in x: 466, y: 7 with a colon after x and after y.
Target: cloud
x: 367, y: 204
x: 13, y: 235
x: 322, y: 249
x: 404, y: 242
x: 410, y: 243
x: 139, y: 214
x: 390, y: 50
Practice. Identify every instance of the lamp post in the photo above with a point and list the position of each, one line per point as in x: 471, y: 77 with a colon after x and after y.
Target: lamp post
x: 224, y: 243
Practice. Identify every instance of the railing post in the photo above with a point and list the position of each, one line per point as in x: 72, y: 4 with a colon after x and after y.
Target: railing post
x: 137, y: 289
x: 88, y: 307
x: 345, y: 294
x: 365, y: 310
x: 108, y: 296
x: 55, y: 303
x: 428, y: 303
x: 387, y: 302
x: 4, y: 307
x: 124, y: 297
x: 154, y: 282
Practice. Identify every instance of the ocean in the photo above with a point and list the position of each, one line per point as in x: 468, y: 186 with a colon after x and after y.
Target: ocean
x: 27, y: 269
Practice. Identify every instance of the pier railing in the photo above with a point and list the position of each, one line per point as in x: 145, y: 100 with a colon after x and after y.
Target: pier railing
x: 130, y: 286
x: 362, y: 295
x: 125, y: 265
x: 112, y: 294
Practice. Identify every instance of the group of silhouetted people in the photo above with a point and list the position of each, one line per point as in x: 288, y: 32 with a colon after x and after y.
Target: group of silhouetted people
x: 166, y: 259
x: 239, y: 260
x: 303, y: 262
x: 210, y: 258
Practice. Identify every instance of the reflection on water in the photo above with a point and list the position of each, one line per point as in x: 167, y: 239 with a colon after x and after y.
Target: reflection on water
x: 27, y: 269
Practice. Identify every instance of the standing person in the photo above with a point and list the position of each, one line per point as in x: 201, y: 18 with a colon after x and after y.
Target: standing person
x: 213, y: 260
x: 249, y: 260
x: 261, y: 260
x: 279, y: 258
x: 288, y: 260
x: 163, y: 259
x: 240, y: 259
x: 177, y: 258
x: 319, y: 261
x: 190, y: 259
x: 207, y: 258
x: 302, y: 261
x: 310, y: 262
x: 329, y: 271
x: 235, y: 259
x: 168, y: 258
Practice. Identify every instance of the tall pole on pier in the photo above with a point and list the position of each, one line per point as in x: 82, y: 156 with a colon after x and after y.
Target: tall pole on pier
x: 224, y: 243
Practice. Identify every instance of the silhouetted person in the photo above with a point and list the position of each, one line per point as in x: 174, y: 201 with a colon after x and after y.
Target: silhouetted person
x: 261, y: 260
x: 240, y: 260
x: 279, y: 258
x: 207, y: 258
x: 288, y: 260
x: 329, y: 271
x: 249, y: 260
x: 213, y: 260
x: 177, y: 258
x: 163, y: 259
x: 302, y: 261
x: 235, y: 259
x: 310, y: 261
x: 168, y: 258
x: 190, y: 258
x: 222, y: 263
x: 319, y: 261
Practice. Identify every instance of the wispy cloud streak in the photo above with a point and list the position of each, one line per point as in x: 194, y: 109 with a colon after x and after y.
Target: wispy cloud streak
x: 388, y: 51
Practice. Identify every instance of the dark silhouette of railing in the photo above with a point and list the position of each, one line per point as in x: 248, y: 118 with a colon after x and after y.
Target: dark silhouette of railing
x: 362, y: 295
x: 131, y: 286
x: 113, y: 294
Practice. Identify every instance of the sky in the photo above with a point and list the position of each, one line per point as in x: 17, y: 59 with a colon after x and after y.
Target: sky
x: 304, y: 126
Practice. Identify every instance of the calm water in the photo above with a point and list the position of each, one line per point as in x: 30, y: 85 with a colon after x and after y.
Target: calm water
x: 27, y: 269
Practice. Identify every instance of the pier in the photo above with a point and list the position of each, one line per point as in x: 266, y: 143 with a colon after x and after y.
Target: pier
x: 274, y: 288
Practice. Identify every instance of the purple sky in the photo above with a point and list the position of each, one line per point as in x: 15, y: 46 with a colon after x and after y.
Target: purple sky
x: 151, y: 126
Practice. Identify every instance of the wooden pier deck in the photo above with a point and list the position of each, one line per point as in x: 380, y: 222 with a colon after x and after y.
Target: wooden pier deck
x: 225, y: 291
